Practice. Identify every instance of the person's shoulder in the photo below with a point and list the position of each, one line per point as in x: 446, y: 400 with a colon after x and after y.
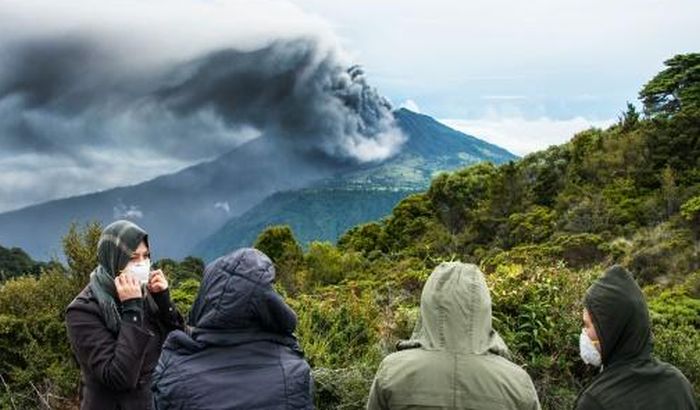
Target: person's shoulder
x: 84, y: 302
x: 401, y: 356
x: 588, y: 400
x: 84, y: 307
x: 674, y: 374
x: 398, y: 360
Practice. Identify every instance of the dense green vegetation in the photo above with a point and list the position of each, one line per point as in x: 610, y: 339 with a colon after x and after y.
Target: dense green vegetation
x: 541, y: 229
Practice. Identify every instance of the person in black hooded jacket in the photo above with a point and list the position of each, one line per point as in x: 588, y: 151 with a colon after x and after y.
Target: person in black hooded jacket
x: 240, y: 351
x: 617, y: 336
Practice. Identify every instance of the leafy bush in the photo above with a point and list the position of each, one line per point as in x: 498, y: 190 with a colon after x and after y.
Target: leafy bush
x: 278, y: 242
x: 184, y: 294
x: 327, y: 265
x: 35, y: 357
x: 534, y: 226
x: 16, y: 262
x: 662, y: 253
x: 537, y: 310
x: 676, y: 326
x: 679, y: 345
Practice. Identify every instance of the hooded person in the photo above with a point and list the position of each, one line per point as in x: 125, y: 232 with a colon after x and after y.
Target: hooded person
x: 454, y: 359
x: 240, y: 351
x: 119, y: 321
x: 617, y: 336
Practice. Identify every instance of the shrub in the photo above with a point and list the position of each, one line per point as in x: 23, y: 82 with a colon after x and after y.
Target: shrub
x: 537, y: 310
x: 184, y: 295
x: 662, y: 253
x: 35, y: 356
x: 278, y: 242
x: 328, y: 266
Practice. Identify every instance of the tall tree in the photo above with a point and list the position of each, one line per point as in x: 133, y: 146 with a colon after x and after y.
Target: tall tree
x: 675, y: 89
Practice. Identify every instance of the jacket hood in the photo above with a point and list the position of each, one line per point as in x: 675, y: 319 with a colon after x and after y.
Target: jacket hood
x: 236, y: 298
x: 620, y: 315
x: 455, y: 312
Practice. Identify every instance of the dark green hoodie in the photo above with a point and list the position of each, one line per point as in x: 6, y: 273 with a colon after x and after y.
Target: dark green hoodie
x: 631, y: 378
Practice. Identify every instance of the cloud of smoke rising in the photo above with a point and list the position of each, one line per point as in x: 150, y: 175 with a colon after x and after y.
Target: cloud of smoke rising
x: 103, y: 99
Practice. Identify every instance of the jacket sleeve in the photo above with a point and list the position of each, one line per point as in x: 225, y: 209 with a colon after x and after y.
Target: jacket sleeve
x: 377, y: 400
x: 115, y: 360
x: 167, y: 311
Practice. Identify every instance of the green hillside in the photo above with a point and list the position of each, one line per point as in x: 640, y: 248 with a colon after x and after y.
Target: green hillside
x: 321, y: 214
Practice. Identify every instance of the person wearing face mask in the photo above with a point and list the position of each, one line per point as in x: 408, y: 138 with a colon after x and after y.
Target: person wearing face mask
x: 617, y: 338
x: 118, y: 323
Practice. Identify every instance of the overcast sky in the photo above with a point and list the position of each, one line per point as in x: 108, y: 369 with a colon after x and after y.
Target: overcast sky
x: 523, y: 75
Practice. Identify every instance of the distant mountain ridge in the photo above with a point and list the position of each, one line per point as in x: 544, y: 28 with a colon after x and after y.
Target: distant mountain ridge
x: 183, y: 209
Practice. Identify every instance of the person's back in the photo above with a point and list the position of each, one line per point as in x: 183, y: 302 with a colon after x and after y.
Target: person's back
x: 631, y: 377
x: 454, y: 360
x: 241, y: 353
x: 642, y: 385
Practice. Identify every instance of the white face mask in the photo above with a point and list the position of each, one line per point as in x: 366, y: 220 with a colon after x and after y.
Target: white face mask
x: 140, y: 270
x: 589, y: 353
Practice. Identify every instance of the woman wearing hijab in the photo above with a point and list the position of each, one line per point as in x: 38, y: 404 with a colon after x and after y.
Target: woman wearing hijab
x: 118, y: 323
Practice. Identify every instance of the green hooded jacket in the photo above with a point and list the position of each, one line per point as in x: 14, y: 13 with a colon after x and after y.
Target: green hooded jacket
x: 631, y: 378
x: 454, y: 360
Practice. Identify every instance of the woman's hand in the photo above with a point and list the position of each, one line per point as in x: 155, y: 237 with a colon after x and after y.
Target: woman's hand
x: 157, y: 283
x: 128, y: 287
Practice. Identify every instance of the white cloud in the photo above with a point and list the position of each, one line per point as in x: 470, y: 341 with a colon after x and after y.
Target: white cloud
x: 131, y: 212
x: 30, y: 178
x: 503, y: 97
x: 163, y: 31
x: 224, y: 206
x: 410, y: 105
x: 522, y: 136
x: 446, y: 54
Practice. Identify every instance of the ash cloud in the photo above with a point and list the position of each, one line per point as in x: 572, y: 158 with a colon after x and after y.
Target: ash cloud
x: 104, y: 108
x: 293, y: 92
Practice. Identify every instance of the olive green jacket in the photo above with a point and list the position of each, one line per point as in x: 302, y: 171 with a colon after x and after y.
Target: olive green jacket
x: 454, y: 360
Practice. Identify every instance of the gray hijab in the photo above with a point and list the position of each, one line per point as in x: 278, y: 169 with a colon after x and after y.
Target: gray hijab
x: 118, y: 241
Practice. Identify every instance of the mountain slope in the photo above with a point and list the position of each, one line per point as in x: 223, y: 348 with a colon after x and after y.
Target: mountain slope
x: 321, y: 214
x: 332, y: 206
x: 182, y: 209
x: 432, y: 147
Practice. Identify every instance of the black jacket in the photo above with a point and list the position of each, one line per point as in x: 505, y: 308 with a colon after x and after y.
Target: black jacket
x: 241, y: 352
x: 116, y: 369
x: 631, y: 378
